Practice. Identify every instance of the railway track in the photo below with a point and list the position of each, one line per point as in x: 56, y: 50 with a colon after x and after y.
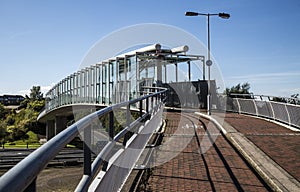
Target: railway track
x: 10, y: 157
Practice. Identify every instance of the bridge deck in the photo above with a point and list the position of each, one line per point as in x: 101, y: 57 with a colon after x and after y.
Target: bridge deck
x: 219, y: 168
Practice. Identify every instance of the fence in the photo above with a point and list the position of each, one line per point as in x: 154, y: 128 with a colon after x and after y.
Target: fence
x: 279, y: 111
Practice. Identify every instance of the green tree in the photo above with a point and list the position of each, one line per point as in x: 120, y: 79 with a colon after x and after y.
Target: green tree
x: 35, y: 93
x: 295, y: 99
x: 3, y: 111
x: 32, y: 137
x: 292, y: 100
x: 16, y: 132
x: 3, y: 131
x: 238, y: 89
x: 10, y: 119
x: 16, y: 126
x: 36, y: 105
x: 279, y: 99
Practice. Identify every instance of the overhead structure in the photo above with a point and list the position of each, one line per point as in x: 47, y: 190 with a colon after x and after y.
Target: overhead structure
x: 120, y: 78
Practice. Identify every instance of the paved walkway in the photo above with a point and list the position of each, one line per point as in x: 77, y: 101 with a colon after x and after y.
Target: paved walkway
x: 202, y: 164
x: 279, y: 143
x: 273, y: 173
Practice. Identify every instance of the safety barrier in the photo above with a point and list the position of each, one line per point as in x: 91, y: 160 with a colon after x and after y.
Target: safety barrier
x: 279, y: 111
x: 22, y: 177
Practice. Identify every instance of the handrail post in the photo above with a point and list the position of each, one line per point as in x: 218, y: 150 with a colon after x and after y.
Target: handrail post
x: 111, y: 136
x: 127, y: 123
x: 87, y: 151
x: 111, y: 125
x: 152, y: 101
x: 31, y: 187
x: 147, y: 108
x: 147, y: 105
x: 141, y: 108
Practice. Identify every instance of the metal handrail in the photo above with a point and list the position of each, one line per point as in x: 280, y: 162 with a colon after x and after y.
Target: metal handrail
x: 254, y: 96
x: 24, y: 174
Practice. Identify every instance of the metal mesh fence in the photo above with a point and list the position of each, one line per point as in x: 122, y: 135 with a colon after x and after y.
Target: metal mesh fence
x: 294, y: 113
x: 264, y: 109
x: 247, y: 106
x: 283, y: 112
x: 280, y: 112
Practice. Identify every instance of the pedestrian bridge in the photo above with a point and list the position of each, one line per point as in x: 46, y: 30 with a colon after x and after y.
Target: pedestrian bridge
x: 117, y: 107
x: 123, y: 78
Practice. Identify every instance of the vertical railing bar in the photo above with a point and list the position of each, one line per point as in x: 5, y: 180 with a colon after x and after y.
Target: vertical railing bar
x: 127, y: 123
x: 111, y: 136
x: 288, y: 114
x: 147, y: 105
x: 239, y: 106
x: 111, y: 125
x: 31, y: 187
x: 256, y: 109
x: 141, y: 108
x: 152, y: 100
x: 272, y: 109
x: 87, y: 151
x: 128, y: 115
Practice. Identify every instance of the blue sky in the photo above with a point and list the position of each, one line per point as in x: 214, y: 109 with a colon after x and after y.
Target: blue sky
x: 41, y: 42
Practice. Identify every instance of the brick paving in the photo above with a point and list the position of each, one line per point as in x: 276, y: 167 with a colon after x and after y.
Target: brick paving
x: 220, y: 168
x: 279, y: 143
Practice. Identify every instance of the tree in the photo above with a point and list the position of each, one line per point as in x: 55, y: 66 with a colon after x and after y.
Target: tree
x: 3, y: 111
x: 16, y: 125
x: 279, y: 99
x: 292, y: 100
x: 3, y: 131
x: 36, y: 105
x: 238, y: 89
x: 295, y: 99
x: 36, y: 93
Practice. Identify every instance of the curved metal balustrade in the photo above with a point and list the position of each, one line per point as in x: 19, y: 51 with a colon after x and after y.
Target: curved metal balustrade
x: 136, y: 133
x: 256, y: 105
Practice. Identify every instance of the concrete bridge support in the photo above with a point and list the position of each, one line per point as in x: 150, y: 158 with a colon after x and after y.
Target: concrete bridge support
x: 54, y: 127
x: 50, y: 129
x: 60, y: 124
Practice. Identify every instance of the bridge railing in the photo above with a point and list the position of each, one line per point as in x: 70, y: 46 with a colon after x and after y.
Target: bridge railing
x: 22, y: 177
x: 256, y: 105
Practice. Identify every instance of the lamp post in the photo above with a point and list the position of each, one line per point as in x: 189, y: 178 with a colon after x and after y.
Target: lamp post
x: 208, y: 61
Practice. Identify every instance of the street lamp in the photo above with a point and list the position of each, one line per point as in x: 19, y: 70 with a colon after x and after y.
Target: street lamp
x: 208, y: 62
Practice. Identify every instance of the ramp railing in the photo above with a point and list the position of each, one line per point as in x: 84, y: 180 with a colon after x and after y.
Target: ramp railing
x: 287, y: 112
x: 22, y: 177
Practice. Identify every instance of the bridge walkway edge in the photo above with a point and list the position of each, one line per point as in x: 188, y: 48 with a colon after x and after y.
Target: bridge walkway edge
x: 274, y: 175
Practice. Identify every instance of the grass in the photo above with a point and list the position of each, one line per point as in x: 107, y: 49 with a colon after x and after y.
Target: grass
x: 20, y: 144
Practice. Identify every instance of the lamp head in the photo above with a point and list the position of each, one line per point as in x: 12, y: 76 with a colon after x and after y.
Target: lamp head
x: 191, y: 13
x: 224, y: 15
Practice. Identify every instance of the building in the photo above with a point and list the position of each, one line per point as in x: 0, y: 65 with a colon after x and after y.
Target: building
x: 11, y: 99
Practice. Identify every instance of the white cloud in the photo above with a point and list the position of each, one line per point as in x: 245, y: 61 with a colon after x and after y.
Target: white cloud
x: 44, y: 90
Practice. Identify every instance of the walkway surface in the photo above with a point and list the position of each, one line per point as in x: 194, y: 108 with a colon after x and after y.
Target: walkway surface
x: 279, y: 143
x: 275, y: 174
x: 206, y: 162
